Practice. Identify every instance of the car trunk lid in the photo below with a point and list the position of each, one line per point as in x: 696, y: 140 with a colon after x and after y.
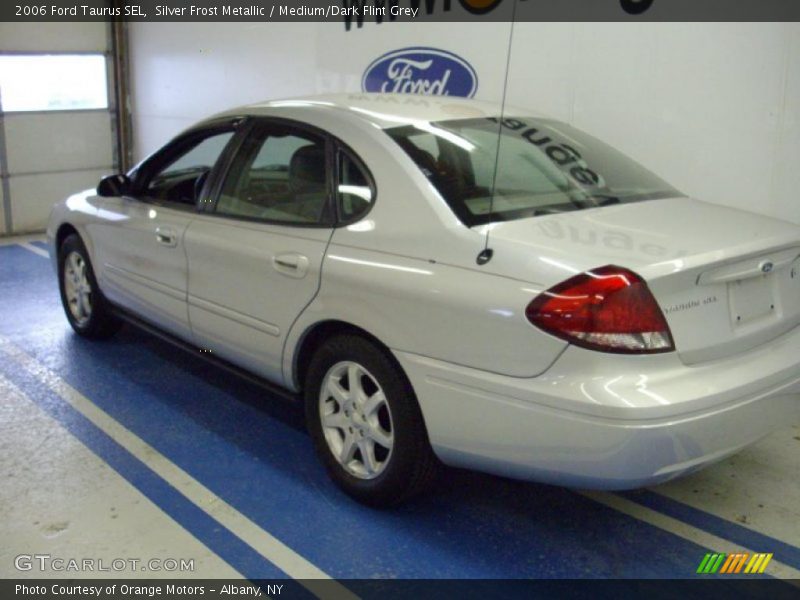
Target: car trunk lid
x: 727, y: 280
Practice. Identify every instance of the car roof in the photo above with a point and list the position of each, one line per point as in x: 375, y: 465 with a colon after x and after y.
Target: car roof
x: 390, y: 110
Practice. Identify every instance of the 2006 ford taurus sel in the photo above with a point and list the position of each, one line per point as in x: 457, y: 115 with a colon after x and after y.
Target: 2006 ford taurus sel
x: 554, y: 312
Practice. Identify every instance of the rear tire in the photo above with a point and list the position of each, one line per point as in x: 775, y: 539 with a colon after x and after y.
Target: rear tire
x: 87, y: 310
x: 366, y: 424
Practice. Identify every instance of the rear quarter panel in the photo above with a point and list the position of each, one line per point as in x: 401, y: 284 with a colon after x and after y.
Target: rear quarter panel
x: 436, y: 310
x: 406, y: 272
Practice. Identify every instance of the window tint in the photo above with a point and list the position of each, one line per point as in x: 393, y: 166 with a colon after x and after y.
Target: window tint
x: 515, y: 170
x: 280, y: 175
x: 277, y: 152
x: 542, y: 167
x: 182, y: 179
x: 354, y: 193
x: 426, y: 142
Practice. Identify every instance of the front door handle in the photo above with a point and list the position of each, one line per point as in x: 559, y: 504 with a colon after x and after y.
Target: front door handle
x: 166, y: 237
x: 291, y: 264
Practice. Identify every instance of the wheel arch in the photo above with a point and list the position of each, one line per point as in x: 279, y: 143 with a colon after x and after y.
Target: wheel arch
x: 66, y: 229
x: 317, y: 333
x: 63, y: 232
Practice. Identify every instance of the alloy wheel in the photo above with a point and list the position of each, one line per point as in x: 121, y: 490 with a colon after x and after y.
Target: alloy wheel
x: 356, y: 420
x: 77, y: 288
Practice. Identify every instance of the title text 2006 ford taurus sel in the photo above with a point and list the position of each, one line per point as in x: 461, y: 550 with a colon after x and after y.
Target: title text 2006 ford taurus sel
x: 555, y: 313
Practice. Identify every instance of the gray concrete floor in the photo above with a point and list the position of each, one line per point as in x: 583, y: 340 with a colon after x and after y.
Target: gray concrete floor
x: 60, y: 499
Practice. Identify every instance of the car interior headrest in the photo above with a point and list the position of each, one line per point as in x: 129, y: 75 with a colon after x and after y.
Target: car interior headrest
x: 307, y: 169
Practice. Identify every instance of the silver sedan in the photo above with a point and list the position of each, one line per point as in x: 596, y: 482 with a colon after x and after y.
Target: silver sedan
x: 440, y: 283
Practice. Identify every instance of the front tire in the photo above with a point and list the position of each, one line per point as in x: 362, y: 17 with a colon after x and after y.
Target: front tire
x: 87, y: 311
x: 366, y: 424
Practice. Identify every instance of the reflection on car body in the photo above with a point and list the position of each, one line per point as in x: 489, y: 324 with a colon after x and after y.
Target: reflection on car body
x: 441, y: 285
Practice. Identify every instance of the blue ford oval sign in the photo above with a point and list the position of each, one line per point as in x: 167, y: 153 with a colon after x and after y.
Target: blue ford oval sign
x: 421, y: 71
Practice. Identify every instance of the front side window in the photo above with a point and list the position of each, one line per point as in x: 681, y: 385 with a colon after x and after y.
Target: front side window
x: 490, y: 170
x: 280, y: 176
x: 184, y: 173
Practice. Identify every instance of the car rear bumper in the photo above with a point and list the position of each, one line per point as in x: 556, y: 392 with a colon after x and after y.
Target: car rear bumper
x: 607, y: 421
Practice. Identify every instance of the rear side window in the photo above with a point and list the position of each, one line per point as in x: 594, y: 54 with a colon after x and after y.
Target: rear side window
x: 354, y: 193
x: 280, y: 176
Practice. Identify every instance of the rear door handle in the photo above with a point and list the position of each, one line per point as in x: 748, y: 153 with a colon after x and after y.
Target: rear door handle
x: 166, y: 237
x: 291, y: 264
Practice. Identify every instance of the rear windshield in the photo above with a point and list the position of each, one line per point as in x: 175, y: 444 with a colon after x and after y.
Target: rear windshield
x: 543, y: 167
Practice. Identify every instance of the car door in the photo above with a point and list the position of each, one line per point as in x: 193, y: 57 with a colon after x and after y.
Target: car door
x: 255, y: 257
x: 139, y: 241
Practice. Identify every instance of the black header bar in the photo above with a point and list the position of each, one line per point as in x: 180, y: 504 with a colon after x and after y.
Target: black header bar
x: 352, y: 13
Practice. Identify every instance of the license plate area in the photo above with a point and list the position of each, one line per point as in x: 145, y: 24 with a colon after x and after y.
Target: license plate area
x: 752, y: 298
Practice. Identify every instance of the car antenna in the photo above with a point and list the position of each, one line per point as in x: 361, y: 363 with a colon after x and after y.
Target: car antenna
x: 485, y: 255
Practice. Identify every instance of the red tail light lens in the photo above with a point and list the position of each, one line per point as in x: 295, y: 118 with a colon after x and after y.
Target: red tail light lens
x: 609, y: 309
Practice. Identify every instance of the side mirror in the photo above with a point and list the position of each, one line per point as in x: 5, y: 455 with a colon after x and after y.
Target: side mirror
x: 114, y: 185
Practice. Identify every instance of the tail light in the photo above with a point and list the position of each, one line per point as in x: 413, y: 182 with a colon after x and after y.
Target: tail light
x: 610, y: 309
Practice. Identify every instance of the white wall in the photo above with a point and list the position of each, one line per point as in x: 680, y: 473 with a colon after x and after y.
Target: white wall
x: 712, y: 108
x: 182, y: 72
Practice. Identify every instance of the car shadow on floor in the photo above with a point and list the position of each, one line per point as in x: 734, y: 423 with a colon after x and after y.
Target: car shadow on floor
x: 525, y: 529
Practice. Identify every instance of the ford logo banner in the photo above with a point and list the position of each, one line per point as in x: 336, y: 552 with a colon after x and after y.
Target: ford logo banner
x: 425, y: 71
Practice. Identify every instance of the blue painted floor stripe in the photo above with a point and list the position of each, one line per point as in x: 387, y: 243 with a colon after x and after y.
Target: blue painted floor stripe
x: 207, y: 530
x: 758, y: 542
x: 220, y: 434
x: 251, y: 450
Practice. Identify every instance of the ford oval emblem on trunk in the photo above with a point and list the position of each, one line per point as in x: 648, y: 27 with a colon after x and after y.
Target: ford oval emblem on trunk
x: 766, y: 266
x: 425, y: 71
